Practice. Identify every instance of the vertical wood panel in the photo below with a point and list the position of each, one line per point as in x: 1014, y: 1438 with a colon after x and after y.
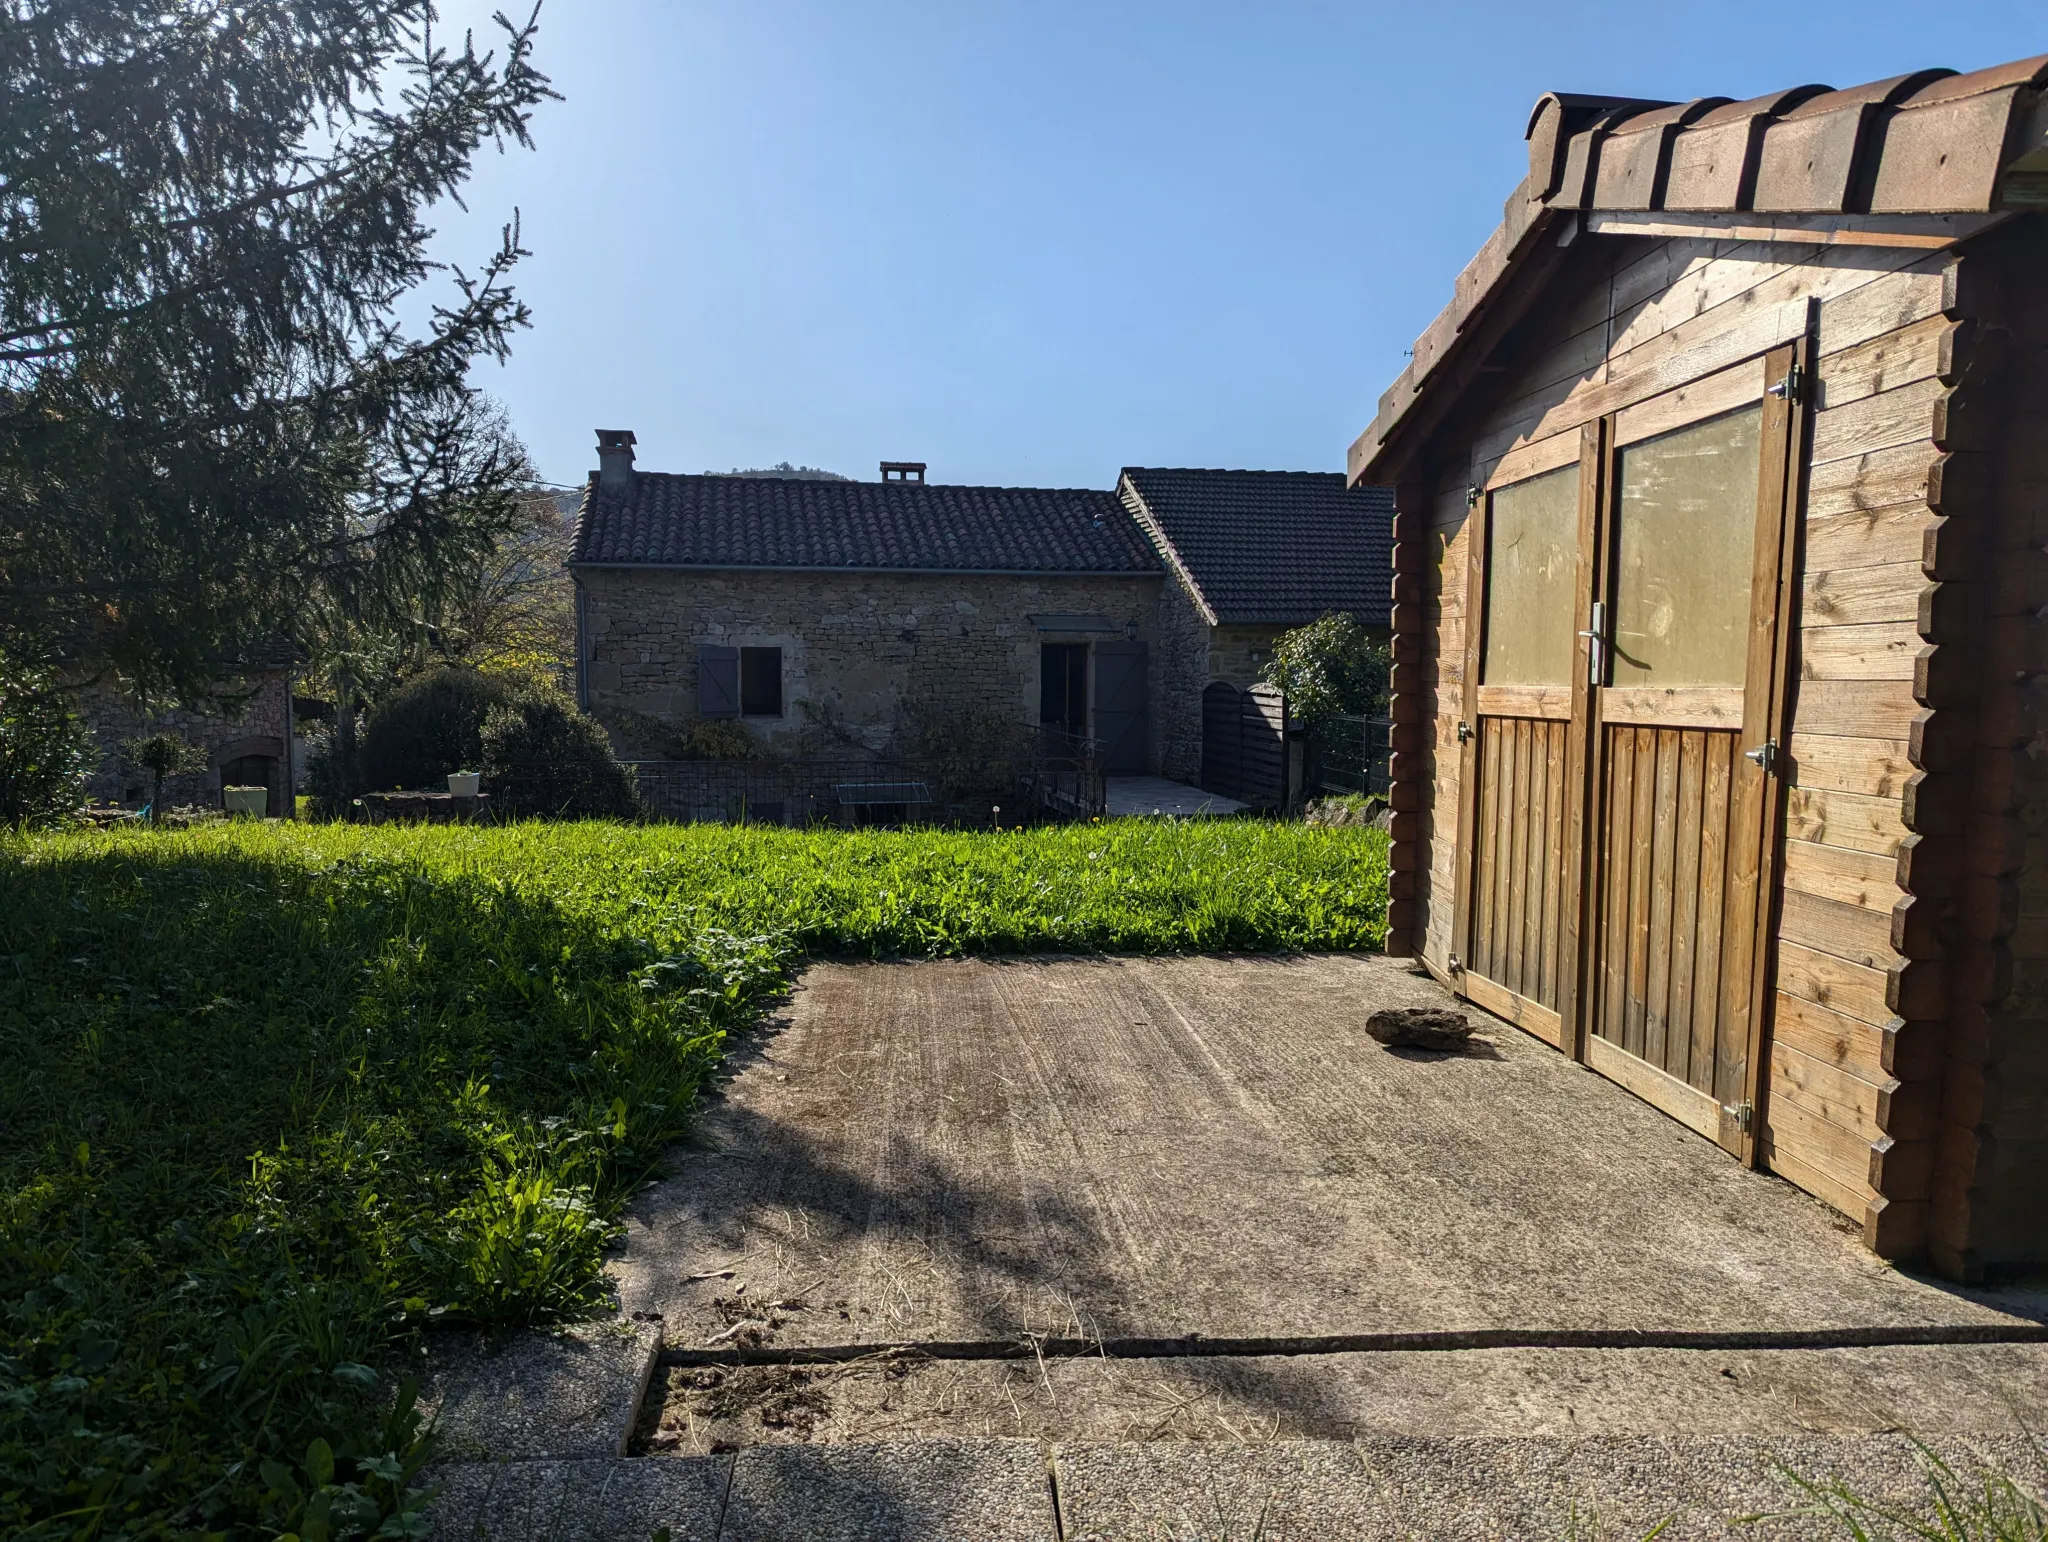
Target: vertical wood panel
x: 1720, y: 751
x: 1480, y: 952
x: 1663, y: 863
x: 1553, y: 864
x: 1685, y: 910
x: 1642, y: 748
x: 1518, y: 854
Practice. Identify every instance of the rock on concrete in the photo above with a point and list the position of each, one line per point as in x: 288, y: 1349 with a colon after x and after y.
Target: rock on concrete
x: 1420, y: 1027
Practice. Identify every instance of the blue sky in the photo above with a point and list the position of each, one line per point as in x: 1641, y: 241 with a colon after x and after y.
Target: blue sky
x: 1032, y: 243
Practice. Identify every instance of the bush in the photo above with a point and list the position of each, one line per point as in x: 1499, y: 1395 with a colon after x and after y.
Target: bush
x: 543, y: 757
x: 45, y: 749
x: 1331, y: 666
x: 970, y: 752
x: 429, y: 727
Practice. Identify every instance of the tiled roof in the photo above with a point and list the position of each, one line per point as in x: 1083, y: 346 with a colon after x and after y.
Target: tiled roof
x: 776, y: 522
x: 1959, y: 148
x: 1273, y: 547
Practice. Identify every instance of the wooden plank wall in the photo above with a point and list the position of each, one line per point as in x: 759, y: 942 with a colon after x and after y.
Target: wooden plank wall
x: 1979, y: 804
x: 1852, y: 1090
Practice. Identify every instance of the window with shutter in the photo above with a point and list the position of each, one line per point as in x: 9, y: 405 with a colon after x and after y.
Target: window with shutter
x: 718, y: 681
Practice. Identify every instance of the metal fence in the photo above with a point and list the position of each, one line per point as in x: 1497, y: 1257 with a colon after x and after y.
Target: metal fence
x: 1066, y: 779
x: 1348, y: 754
x: 793, y: 792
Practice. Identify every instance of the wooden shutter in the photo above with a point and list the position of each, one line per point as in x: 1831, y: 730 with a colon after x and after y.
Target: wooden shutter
x: 718, y: 681
x: 1120, y: 706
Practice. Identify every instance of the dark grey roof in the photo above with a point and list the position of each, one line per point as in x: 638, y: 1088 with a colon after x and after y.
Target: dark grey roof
x: 1273, y: 547
x: 775, y: 522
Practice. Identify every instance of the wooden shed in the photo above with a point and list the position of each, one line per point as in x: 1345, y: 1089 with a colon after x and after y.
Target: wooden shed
x: 1720, y: 753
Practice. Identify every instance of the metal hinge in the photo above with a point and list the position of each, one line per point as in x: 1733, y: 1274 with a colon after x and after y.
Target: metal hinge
x: 1471, y: 497
x: 1464, y: 732
x: 1793, y: 386
x: 1454, y: 964
x: 1744, y: 1115
x: 1765, y: 755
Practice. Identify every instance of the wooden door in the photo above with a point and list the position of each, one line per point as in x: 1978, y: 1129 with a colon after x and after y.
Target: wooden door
x: 1689, y: 663
x: 1516, y: 934
x: 1120, y: 707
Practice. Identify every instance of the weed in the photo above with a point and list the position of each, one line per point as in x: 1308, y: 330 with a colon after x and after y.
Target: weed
x: 1987, y: 1504
x: 273, y: 1098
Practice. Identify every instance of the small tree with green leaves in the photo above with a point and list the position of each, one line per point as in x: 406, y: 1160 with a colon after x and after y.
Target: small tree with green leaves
x: 45, y: 748
x: 1331, y: 667
x: 162, y: 755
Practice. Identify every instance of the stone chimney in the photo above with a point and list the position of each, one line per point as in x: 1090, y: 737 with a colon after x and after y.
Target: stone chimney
x: 902, y: 471
x: 615, y: 457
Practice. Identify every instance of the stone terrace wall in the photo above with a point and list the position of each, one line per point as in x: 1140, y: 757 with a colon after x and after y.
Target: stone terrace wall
x: 857, y: 648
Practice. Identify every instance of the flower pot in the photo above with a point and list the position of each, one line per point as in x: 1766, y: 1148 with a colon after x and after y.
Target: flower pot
x: 253, y: 801
x: 465, y: 784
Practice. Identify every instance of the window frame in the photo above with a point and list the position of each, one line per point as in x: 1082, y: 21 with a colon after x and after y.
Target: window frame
x: 750, y: 702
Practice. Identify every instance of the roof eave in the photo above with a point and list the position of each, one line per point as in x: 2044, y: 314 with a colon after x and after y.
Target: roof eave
x: 1933, y: 146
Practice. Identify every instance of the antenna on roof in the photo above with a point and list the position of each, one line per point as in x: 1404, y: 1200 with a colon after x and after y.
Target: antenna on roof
x: 902, y: 471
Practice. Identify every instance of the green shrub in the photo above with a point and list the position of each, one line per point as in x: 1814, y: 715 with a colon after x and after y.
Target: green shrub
x: 1331, y: 666
x: 543, y: 757
x: 45, y: 748
x: 429, y: 727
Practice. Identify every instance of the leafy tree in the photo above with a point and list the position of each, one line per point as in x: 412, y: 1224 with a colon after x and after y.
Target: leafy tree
x: 45, y: 749
x: 1331, y: 666
x: 429, y: 727
x: 213, y: 432
x: 162, y: 755
x: 543, y: 757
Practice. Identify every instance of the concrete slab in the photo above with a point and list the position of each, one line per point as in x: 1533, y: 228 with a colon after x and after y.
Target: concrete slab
x: 918, y: 1491
x: 1209, y: 1145
x: 580, y: 1501
x: 567, y: 1392
x: 1521, y: 1393
x: 1482, y: 1490
x: 1151, y: 796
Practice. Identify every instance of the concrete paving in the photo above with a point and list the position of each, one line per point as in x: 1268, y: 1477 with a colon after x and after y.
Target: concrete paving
x: 1146, y: 796
x: 1212, y: 1146
x: 1383, y: 1489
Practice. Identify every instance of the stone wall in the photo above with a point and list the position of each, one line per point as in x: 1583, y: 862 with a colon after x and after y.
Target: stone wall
x: 859, y: 650
x: 1182, y: 673
x: 259, y: 725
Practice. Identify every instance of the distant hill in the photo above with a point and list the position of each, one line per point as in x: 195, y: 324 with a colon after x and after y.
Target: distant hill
x: 786, y: 471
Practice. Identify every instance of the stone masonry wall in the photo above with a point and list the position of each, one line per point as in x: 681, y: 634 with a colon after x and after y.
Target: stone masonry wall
x: 857, y: 648
x: 260, y: 727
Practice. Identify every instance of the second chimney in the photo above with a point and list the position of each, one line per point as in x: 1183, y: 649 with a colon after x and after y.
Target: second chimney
x: 902, y: 471
x: 615, y: 457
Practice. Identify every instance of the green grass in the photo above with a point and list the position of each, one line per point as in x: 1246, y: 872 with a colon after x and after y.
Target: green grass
x: 272, y: 1098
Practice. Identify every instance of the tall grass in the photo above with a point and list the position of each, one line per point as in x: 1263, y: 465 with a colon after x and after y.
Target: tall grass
x: 273, y: 1097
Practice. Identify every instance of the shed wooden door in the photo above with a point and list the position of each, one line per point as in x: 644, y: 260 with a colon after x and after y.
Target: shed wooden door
x: 1625, y: 673
x: 1515, y: 944
x: 1690, y: 665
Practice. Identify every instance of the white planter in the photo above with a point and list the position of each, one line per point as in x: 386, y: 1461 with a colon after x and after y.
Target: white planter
x: 253, y: 801
x: 465, y: 784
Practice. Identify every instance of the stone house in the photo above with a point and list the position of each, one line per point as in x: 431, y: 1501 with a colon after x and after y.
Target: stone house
x: 248, y: 743
x: 1249, y: 555
x: 841, y: 618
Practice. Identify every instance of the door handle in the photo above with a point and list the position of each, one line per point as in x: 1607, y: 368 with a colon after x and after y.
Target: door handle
x: 1596, y: 653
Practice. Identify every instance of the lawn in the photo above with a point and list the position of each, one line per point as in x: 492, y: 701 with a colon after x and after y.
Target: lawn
x: 274, y: 1099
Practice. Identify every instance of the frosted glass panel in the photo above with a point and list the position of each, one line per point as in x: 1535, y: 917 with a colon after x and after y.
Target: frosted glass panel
x: 1684, y: 552
x: 1532, y: 561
